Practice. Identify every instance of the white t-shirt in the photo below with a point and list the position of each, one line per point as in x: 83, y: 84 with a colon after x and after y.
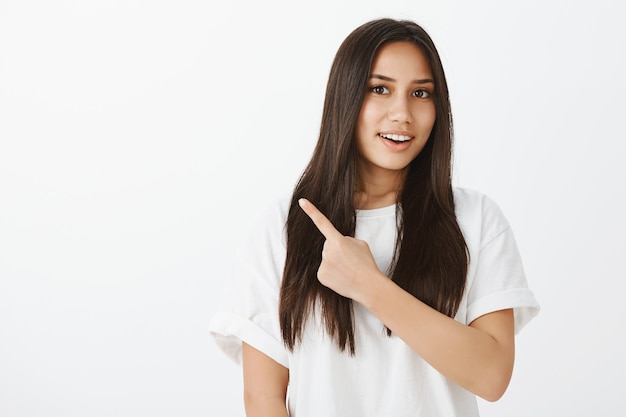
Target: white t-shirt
x: 385, y: 377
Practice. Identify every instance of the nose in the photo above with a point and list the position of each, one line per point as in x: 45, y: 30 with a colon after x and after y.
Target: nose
x: 399, y: 110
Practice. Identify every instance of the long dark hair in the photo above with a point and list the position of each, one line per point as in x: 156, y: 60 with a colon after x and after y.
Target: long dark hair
x: 431, y: 256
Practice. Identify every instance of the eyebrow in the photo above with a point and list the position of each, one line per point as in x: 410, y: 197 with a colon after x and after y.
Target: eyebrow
x: 385, y: 78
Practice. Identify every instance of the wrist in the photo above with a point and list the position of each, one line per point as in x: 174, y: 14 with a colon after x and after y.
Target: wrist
x: 374, y: 288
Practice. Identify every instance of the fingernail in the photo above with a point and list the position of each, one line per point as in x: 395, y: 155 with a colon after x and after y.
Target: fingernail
x: 301, y: 202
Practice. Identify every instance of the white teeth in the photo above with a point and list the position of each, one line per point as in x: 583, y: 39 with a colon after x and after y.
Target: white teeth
x: 396, y: 138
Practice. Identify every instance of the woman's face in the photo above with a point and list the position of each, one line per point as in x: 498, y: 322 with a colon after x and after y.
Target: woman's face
x: 398, y: 111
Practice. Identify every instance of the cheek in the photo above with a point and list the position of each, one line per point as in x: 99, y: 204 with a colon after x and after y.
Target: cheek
x: 363, y: 126
x: 369, y: 115
x: 427, y: 117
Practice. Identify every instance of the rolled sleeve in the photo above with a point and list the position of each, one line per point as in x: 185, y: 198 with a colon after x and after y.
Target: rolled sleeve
x: 248, y: 307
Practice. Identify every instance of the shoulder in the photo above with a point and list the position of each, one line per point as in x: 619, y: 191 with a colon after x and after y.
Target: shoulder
x: 274, y: 210
x: 479, y: 216
x: 469, y: 200
x: 267, y: 222
x: 496, y: 279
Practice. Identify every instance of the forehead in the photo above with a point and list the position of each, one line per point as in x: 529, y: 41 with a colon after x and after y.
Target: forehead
x: 401, y: 58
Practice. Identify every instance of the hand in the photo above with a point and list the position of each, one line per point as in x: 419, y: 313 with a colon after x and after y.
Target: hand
x: 347, y: 265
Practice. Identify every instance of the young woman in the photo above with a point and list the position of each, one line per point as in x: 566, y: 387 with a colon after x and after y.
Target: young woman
x: 376, y: 288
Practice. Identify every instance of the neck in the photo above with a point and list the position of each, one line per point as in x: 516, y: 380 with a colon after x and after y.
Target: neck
x: 379, y: 190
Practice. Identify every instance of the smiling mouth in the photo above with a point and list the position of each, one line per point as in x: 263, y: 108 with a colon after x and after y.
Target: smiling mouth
x: 395, y: 138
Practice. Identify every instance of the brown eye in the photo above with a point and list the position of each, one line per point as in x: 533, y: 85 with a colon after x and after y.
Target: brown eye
x: 421, y: 94
x: 379, y: 89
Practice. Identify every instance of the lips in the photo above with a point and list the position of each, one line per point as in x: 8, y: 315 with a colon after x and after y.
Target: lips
x: 394, y: 137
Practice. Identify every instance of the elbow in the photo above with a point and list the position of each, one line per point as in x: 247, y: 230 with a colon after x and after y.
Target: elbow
x: 492, y: 394
x: 493, y: 388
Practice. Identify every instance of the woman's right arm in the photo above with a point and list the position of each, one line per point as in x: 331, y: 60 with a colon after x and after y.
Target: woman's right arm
x: 264, y: 384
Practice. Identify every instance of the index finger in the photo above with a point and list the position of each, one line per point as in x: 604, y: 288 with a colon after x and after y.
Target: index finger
x: 321, y: 222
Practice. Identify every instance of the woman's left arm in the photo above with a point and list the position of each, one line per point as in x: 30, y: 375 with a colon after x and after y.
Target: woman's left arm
x: 479, y: 356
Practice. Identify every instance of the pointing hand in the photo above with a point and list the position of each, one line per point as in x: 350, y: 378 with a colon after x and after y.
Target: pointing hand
x: 347, y: 265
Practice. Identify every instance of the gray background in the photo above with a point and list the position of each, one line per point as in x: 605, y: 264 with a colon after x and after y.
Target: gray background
x: 138, y: 139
